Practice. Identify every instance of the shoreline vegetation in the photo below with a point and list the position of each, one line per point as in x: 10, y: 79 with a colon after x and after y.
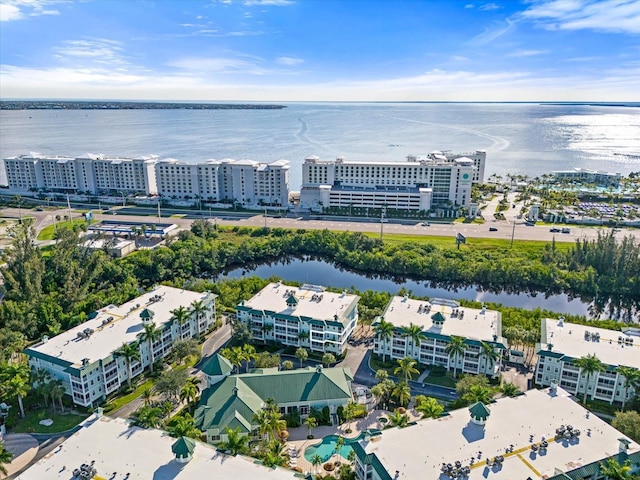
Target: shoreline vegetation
x: 130, y: 105
x: 47, y: 294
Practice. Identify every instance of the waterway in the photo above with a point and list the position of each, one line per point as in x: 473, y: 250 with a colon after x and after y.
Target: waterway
x: 319, y: 272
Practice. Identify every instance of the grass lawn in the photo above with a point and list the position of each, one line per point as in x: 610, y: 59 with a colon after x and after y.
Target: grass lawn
x: 61, y: 422
x: 443, y: 381
x: 48, y: 232
x: 119, y: 402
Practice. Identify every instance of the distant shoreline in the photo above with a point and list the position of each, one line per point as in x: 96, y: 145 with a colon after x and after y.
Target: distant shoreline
x: 110, y: 105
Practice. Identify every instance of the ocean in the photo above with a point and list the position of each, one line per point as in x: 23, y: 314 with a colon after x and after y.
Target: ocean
x: 525, y: 139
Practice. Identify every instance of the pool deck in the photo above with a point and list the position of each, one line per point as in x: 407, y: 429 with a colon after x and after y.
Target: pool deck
x: 298, y: 441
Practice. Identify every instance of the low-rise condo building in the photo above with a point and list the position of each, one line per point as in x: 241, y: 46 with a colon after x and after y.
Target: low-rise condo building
x: 562, y: 343
x: 233, y: 401
x: 110, y: 448
x: 438, y: 321
x: 539, y: 435
x: 306, y: 316
x: 86, y: 359
x: 420, y: 183
x: 243, y: 181
x: 584, y: 175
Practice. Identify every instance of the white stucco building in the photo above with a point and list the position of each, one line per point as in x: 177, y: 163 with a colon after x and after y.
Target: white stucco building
x: 439, y: 320
x: 306, y: 316
x: 85, y: 357
x: 562, y: 343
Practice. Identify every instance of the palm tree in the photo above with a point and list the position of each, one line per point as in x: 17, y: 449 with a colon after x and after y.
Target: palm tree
x: 316, y: 461
x: 428, y: 407
x: 262, y: 418
x: 40, y: 378
x: 184, y: 426
x: 406, y: 366
x: 234, y: 355
x: 302, y: 355
x: 287, y: 365
x: 18, y: 386
x: 413, y: 333
x: 328, y: 359
x: 236, y: 443
x: 275, y: 455
x: 398, y: 419
x: 384, y: 331
x: 402, y: 392
x: 5, y: 458
x: 198, y: 308
x: 311, y: 423
x: 478, y: 393
x: 129, y: 351
x: 302, y: 337
x: 248, y: 354
x: 57, y: 392
x: 147, y: 417
x: 612, y: 470
x: 150, y: 334
x: 631, y: 379
x: 509, y: 389
x: 190, y: 391
x: 588, y: 366
x: 454, y: 349
x: 181, y: 316
x: 488, y: 352
x: 147, y: 396
x: 339, y: 444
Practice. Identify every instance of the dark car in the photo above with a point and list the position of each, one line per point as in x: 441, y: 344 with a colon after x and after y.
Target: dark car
x: 554, y: 230
x: 493, y: 229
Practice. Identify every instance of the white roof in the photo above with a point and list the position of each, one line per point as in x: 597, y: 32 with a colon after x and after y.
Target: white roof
x: 473, y: 325
x: 419, y: 451
x: 273, y: 297
x: 134, y: 453
x: 569, y: 339
x: 125, y: 327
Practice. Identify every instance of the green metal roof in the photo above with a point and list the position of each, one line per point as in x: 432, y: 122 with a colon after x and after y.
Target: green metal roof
x: 183, y: 447
x: 146, y: 314
x: 292, y: 301
x: 591, y: 469
x: 479, y: 411
x: 438, y: 317
x: 217, y: 365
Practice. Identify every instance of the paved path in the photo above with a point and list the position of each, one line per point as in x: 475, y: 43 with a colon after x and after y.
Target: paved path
x: 24, y: 448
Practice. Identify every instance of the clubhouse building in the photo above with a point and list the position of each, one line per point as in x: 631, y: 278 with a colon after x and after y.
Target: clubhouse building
x: 85, y: 357
x: 439, y: 320
x: 562, y: 343
x: 306, y: 316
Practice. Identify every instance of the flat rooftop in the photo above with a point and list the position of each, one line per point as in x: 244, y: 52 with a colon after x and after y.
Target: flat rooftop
x: 569, y: 339
x: 123, y: 452
x: 124, y: 327
x: 418, y: 451
x: 313, y: 301
x: 473, y: 324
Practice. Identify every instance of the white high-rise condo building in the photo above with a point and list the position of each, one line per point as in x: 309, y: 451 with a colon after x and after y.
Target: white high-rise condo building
x: 243, y: 181
x: 562, y: 343
x: 419, y: 183
x: 86, y: 358
x: 91, y: 173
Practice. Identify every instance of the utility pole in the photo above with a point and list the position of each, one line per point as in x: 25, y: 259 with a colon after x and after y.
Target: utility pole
x: 513, y: 232
x: 382, y: 222
x: 159, y: 216
x: 69, y: 208
x: 265, y: 218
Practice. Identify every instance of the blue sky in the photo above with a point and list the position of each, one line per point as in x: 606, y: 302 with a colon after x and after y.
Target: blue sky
x: 324, y: 50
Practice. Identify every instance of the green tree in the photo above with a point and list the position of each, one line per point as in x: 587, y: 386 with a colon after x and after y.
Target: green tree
x: 183, y: 426
x: 429, y: 407
x: 181, y: 316
x: 147, y: 396
x: 183, y: 349
x: 414, y: 334
x: 57, y: 391
x: 15, y: 382
x: 235, y: 355
x: 339, y: 444
x: 150, y: 334
x: 631, y: 380
x: 509, y: 389
x: 455, y: 348
x: 189, y: 393
x: 612, y: 470
x: 349, y: 414
x: 628, y: 423
x: 402, y: 394
x: 287, y: 365
x: 407, y: 367
x: 130, y: 352
x: 489, y: 353
x: 463, y: 386
x: 302, y: 355
x: 248, y: 354
x: 147, y: 417
x: 170, y: 382
x: 398, y: 419
x: 383, y: 330
x: 478, y: 393
x: 311, y: 423
x: 316, y: 461
x: 589, y: 366
x: 328, y: 359
x: 236, y: 442
x: 381, y: 375
x: 5, y: 458
x: 198, y: 309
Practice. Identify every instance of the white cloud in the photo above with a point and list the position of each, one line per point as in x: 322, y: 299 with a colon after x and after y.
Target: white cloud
x: 220, y: 65
x: 92, y: 50
x: 19, y: 9
x: 602, y: 15
x: 527, y: 53
x: 489, y: 6
x: 469, y: 5
x: 491, y: 34
x: 289, y: 61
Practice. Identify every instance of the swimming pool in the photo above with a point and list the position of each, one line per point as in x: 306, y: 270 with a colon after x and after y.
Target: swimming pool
x: 327, y: 448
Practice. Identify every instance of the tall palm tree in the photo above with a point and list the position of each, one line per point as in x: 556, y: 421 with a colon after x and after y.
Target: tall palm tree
x: 339, y: 444
x: 234, y: 355
x: 5, y: 458
x: 147, y: 396
x: 236, y: 443
x: 488, y: 352
x: 303, y: 337
x: 429, y: 407
x: 130, y: 352
x: 311, y: 423
x: 509, y: 389
x: 190, y: 391
x: 198, y: 308
x: 478, y: 393
x: 406, y: 366
x: 183, y: 426
x: 248, y: 354
x: 147, y: 417
x: 384, y: 331
x: 454, y: 349
x: 180, y: 315
x: 402, y: 392
x: 589, y: 365
x: 262, y: 418
x: 612, y: 470
x: 150, y: 334
x: 57, y: 392
x: 302, y: 355
x: 328, y: 359
x: 414, y: 334
x: 398, y: 419
x: 631, y: 379
x: 18, y: 386
x: 316, y: 461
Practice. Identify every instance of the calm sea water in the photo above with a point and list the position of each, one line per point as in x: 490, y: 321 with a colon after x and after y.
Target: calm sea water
x: 526, y: 139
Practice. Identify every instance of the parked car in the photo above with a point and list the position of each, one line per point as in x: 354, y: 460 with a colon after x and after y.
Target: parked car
x: 554, y: 230
x: 566, y: 230
x: 493, y: 229
x: 425, y: 224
